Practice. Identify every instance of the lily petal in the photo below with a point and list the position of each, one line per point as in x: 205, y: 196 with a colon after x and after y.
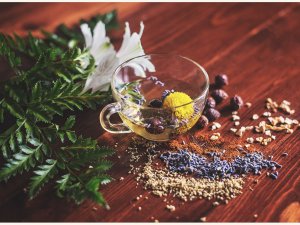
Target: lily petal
x: 101, y: 78
x: 87, y: 34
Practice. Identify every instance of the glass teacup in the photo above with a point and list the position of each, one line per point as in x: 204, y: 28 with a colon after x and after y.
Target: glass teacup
x: 158, y: 104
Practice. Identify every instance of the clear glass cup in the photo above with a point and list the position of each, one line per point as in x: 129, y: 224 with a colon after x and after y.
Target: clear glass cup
x: 133, y: 89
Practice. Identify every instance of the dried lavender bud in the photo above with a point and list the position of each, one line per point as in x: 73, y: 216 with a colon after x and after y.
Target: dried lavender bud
x: 210, y: 103
x: 219, y: 95
x: 155, y: 103
x: 202, y: 122
x: 212, y: 114
x: 221, y: 80
x: 236, y: 102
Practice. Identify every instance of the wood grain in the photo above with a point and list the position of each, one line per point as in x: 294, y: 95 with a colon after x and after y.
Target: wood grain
x: 256, y: 44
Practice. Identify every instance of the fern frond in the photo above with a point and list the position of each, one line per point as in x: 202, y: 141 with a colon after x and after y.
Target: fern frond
x: 20, y: 162
x: 43, y: 175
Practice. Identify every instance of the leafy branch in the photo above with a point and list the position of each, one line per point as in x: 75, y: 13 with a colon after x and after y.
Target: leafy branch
x: 38, y: 136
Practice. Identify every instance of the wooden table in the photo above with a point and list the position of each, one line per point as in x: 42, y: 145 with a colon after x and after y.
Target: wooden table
x: 257, y: 45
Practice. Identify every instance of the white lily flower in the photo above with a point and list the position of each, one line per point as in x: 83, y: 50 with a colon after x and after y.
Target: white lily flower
x: 107, y: 60
x: 98, y: 44
x: 132, y: 47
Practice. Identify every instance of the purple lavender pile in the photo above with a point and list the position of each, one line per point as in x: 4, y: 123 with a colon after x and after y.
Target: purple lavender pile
x: 191, y: 163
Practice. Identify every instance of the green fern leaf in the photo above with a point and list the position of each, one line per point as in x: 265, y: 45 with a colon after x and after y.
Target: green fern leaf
x: 92, y: 188
x: 70, y: 122
x: 39, y: 114
x: 14, y: 108
x: 20, y: 162
x: 43, y: 175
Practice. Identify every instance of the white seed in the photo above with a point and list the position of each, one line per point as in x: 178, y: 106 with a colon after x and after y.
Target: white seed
x: 268, y: 133
x: 247, y: 145
x: 236, y: 123
x: 259, y: 139
x: 215, y: 136
x: 250, y: 140
x: 203, y: 219
x: 249, y: 127
x: 248, y: 104
x: 288, y: 121
x: 241, y: 131
x: 233, y: 130
x: 273, y: 137
x: 235, y: 117
x: 255, y: 117
x: 267, y: 114
x: 171, y: 208
x: 234, y: 113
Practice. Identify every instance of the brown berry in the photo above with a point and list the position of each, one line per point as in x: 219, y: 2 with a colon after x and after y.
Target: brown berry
x: 210, y: 103
x: 236, y: 102
x: 212, y: 114
x: 154, y: 126
x: 155, y: 103
x: 219, y: 95
x: 202, y: 122
x: 221, y: 80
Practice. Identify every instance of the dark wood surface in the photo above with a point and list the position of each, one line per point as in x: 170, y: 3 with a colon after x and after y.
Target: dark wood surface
x: 257, y: 45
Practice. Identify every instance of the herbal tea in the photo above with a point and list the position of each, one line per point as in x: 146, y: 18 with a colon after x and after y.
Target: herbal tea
x: 159, y: 101
x: 155, y: 109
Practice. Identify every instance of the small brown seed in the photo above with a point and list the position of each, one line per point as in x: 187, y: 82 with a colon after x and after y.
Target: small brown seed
x: 221, y: 80
x: 210, y: 103
x: 219, y: 95
x: 202, y: 122
x: 236, y: 102
x: 212, y: 114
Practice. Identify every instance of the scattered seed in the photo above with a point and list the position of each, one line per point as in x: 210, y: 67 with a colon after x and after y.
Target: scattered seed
x: 171, y: 208
x: 250, y: 140
x: 267, y: 114
x: 216, y: 203
x: 203, y: 219
x: 255, y: 117
x: 235, y: 117
x: 139, y: 208
x: 248, y: 104
x: 233, y: 130
x: 236, y: 123
x: 215, y: 136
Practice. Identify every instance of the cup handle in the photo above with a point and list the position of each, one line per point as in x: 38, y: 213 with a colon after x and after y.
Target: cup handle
x: 106, y: 113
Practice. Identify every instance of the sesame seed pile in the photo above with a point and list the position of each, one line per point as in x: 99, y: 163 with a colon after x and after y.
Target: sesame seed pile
x: 162, y: 182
